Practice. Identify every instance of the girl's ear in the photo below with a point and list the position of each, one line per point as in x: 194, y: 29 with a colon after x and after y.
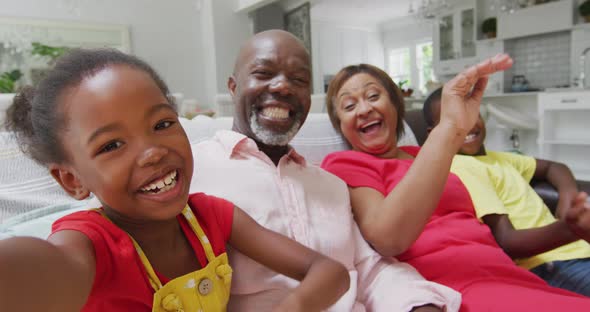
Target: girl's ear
x: 231, y: 85
x: 69, y: 181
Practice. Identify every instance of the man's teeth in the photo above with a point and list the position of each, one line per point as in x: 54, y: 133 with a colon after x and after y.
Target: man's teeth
x: 161, y: 185
x: 275, y: 112
x: 470, y: 136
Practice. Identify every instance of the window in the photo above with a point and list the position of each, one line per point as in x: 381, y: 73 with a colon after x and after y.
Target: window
x: 424, y: 65
x: 413, y: 63
x: 399, y: 65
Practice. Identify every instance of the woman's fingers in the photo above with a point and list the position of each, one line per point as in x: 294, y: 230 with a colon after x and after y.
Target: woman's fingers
x: 479, y: 89
x: 492, y: 65
x: 463, y: 83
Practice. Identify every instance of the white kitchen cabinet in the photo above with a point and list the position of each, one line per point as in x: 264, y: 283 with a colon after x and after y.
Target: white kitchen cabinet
x: 580, y: 42
x: 454, y: 39
x: 564, y: 135
x: 538, y: 19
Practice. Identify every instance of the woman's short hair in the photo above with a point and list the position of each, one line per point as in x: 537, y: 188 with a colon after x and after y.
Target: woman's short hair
x: 394, y: 92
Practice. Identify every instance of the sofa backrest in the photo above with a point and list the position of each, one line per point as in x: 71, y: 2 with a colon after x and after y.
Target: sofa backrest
x: 26, y: 186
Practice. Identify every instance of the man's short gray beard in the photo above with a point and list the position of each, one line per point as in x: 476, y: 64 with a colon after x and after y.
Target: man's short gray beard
x: 272, y: 138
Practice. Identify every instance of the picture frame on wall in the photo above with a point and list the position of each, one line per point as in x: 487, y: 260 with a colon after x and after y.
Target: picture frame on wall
x: 298, y: 22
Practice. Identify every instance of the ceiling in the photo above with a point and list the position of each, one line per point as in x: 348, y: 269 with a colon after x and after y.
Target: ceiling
x: 358, y: 13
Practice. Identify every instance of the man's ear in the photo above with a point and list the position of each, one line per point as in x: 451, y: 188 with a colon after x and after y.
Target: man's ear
x: 231, y: 85
x: 68, y: 181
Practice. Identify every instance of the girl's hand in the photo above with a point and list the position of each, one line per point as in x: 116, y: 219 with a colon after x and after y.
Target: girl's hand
x: 461, y: 97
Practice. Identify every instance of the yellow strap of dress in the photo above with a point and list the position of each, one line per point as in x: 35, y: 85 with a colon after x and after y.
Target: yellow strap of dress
x: 192, y: 220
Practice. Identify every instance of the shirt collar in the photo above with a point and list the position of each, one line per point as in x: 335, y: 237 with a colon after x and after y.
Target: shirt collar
x: 236, y: 144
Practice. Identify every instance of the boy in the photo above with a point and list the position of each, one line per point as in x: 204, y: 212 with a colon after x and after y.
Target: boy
x: 523, y: 226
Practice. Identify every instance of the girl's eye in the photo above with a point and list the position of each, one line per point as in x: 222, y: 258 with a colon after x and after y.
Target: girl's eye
x: 111, y: 146
x: 164, y: 125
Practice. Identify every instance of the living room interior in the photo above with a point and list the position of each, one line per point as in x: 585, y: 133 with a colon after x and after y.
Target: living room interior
x: 540, y: 107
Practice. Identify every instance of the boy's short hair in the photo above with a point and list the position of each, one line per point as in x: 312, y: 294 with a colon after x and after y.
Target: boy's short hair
x: 434, y: 97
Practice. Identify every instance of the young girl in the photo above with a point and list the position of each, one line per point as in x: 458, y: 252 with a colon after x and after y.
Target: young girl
x: 102, y: 122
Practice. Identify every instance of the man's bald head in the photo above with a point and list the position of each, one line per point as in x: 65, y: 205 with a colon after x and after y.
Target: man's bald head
x: 271, y: 88
x: 269, y: 37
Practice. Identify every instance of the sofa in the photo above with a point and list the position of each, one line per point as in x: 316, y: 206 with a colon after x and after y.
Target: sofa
x: 30, y: 200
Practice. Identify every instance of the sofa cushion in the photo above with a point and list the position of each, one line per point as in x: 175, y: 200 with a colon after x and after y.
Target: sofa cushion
x: 27, y: 187
x: 24, y: 184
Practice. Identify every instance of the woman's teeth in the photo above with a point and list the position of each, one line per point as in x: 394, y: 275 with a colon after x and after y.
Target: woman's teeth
x: 370, y: 126
x: 275, y: 112
x: 162, y: 185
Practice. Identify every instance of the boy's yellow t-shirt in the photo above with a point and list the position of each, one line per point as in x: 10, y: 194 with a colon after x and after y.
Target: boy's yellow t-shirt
x: 498, y: 183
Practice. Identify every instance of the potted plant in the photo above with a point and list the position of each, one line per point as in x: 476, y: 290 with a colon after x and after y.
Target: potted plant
x: 406, y: 92
x: 488, y: 27
x: 8, y: 81
x: 584, y: 9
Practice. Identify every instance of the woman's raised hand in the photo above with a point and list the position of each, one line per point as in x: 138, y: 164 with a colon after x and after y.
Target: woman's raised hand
x: 461, y: 96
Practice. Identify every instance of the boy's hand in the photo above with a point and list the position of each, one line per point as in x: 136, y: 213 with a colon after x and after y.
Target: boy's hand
x: 578, y: 216
x: 462, y: 95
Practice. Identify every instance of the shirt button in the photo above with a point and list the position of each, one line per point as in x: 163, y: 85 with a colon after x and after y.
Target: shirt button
x: 205, y: 286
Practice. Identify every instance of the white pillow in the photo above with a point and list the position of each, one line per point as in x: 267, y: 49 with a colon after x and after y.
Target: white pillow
x: 202, y: 127
x: 24, y: 184
x: 5, y: 102
x: 317, y: 138
x: 27, y: 188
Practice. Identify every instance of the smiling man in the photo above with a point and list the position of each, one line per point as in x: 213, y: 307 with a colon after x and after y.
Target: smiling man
x: 254, y: 167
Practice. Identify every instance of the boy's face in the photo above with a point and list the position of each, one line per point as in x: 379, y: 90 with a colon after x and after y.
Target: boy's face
x: 473, y: 143
x: 126, y: 145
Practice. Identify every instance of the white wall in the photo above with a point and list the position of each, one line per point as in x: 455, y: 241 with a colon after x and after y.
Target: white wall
x: 336, y: 46
x: 405, y: 32
x: 164, y: 33
x: 230, y: 31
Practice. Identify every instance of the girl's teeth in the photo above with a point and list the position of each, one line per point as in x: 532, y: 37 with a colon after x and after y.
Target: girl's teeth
x: 163, y: 184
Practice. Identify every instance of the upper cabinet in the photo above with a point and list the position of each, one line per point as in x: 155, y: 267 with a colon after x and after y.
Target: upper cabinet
x: 580, y: 55
x: 454, y: 40
x: 538, y: 19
